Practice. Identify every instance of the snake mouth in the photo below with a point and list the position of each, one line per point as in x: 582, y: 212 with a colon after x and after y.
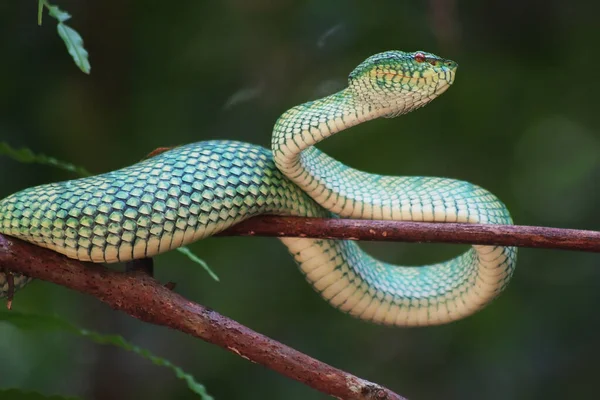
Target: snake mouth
x: 440, y: 88
x: 445, y: 80
x: 449, y: 75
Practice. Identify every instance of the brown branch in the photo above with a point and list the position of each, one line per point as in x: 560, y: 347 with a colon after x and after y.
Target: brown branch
x: 424, y: 232
x: 142, y: 297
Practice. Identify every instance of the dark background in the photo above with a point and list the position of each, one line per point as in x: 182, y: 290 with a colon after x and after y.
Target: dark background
x: 521, y: 120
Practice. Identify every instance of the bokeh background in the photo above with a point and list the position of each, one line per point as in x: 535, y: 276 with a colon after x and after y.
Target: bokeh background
x: 521, y: 120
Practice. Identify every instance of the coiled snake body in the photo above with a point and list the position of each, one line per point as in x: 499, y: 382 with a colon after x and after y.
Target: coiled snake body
x: 193, y: 191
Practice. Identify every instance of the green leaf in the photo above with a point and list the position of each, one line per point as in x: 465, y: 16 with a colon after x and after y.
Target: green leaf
x: 74, y: 44
x: 57, y: 13
x: 244, y: 95
x: 198, y: 260
x: 18, y: 394
x: 72, y: 39
x: 25, y: 155
x: 48, y: 323
x: 40, y: 11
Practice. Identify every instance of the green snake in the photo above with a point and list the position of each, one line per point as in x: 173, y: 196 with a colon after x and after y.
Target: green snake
x: 196, y: 190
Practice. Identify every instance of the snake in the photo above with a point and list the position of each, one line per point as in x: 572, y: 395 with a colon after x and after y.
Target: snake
x: 193, y: 191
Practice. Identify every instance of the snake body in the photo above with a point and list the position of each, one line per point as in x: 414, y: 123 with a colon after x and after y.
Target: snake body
x: 196, y: 190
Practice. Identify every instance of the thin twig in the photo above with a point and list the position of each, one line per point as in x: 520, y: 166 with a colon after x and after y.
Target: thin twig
x: 142, y: 297
x: 424, y: 232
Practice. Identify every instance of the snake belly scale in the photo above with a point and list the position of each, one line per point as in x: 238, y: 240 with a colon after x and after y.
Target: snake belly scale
x: 196, y: 190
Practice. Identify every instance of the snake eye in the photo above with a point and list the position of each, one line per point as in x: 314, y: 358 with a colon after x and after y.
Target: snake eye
x: 419, y: 57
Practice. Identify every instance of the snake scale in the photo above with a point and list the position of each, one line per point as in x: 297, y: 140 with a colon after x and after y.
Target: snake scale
x: 196, y: 190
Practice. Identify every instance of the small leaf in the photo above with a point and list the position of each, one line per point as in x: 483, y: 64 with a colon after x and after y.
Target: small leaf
x: 244, y: 95
x: 57, y: 13
x: 25, y: 155
x: 198, y: 260
x: 19, y: 394
x: 48, y: 323
x: 322, y: 41
x: 40, y: 11
x: 74, y: 44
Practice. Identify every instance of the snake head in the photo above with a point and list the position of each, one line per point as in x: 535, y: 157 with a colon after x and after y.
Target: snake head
x: 396, y: 82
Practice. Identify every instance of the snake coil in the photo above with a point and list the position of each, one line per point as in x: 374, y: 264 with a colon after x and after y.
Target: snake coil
x: 194, y: 191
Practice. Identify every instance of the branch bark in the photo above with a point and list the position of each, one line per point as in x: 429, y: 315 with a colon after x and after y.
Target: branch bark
x: 144, y: 298
x: 423, y: 232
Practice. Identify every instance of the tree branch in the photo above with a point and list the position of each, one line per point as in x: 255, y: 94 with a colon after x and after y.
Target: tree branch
x: 142, y: 297
x: 425, y: 232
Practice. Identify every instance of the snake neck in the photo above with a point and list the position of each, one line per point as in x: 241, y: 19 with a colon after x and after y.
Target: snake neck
x: 307, y: 124
x: 303, y: 126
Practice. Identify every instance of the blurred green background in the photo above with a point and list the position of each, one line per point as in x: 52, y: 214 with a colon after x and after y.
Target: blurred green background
x: 522, y: 120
